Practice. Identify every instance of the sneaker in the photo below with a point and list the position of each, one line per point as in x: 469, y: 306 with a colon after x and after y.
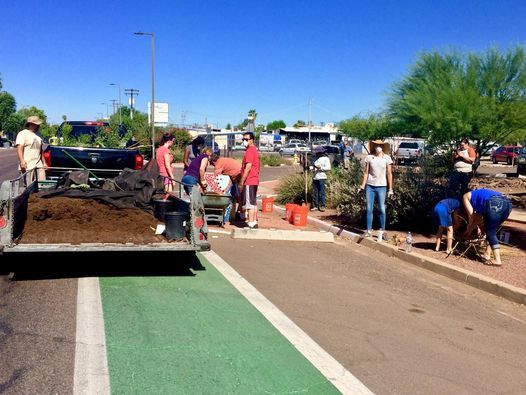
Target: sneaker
x: 312, y: 208
x: 367, y: 234
x: 322, y: 209
x: 254, y: 227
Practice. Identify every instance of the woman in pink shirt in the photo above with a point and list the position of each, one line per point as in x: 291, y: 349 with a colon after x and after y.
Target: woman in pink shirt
x: 164, y: 160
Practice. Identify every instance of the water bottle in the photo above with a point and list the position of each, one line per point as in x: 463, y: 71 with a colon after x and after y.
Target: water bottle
x: 409, y: 242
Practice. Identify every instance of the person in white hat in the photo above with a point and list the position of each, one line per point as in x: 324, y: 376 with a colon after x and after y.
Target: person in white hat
x: 377, y: 182
x: 29, y: 150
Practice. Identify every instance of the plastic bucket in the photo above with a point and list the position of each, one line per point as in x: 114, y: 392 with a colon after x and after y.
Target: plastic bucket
x: 289, y: 209
x: 267, y: 205
x: 299, y: 215
x: 175, y: 226
x: 161, y: 207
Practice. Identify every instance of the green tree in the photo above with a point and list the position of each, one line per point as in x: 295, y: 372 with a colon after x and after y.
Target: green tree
x: 299, y: 124
x: 7, y: 106
x: 451, y: 96
x: 275, y: 125
x: 181, y: 137
x: 365, y: 128
x: 13, y: 124
x: 228, y: 126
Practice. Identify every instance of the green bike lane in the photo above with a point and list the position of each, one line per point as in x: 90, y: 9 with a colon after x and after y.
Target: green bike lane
x: 197, y: 334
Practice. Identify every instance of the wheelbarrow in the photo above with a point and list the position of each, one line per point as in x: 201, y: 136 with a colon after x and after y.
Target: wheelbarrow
x: 216, y: 206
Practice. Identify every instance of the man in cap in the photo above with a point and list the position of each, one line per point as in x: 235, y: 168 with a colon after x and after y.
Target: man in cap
x: 29, y: 149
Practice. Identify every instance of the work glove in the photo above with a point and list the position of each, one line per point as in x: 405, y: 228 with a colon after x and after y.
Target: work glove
x: 360, y: 189
x: 390, y: 193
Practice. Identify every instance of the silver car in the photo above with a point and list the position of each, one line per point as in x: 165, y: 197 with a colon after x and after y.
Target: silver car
x: 291, y: 149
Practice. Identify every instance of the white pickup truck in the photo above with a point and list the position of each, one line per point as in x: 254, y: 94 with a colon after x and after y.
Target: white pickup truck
x: 408, y: 152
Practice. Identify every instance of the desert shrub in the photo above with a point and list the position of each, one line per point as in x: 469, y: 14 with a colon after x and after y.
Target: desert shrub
x: 177, y: 153
x: 291, y: 189
x: 416, y: 192
x: 271, y: 160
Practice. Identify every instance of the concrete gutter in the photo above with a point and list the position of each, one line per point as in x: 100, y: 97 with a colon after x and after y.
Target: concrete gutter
x: 484, y: 283
x: 279, y: 234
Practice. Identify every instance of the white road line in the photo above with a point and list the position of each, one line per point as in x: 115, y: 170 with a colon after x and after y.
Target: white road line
x: 510, y: 316
x: 91, y: 365
x: 340, y: 377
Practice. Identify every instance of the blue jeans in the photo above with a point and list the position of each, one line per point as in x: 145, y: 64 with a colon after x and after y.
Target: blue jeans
x: 189, y: 182
x: 496, y: 210
x: 372, y: 192
x: 318, y: 192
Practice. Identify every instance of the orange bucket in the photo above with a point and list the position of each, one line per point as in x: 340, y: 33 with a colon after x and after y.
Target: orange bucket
x: 267, y: 205
x: 289, y: 209
x: 299, y: 216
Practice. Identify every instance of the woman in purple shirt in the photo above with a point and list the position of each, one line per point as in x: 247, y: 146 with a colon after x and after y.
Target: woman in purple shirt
x: 195, y: 174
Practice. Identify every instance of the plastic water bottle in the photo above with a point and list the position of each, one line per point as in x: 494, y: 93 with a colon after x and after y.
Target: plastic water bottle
x: 409, y: 242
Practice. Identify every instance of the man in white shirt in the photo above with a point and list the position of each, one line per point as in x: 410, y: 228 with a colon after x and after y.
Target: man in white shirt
x: 321, y: 166
x: 29, y: 150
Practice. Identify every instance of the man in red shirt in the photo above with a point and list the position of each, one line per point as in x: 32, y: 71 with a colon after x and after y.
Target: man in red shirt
x: 250, y: 179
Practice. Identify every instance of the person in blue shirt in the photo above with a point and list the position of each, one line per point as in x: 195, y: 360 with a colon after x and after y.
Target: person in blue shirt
x: 495, y: 208
x: 443, y: 215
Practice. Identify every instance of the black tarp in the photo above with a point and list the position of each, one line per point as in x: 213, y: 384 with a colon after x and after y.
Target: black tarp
x: 131, y: 188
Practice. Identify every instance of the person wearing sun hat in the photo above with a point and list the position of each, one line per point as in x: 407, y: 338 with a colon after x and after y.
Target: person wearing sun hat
x: 377, y: 182
x: 29, y: 149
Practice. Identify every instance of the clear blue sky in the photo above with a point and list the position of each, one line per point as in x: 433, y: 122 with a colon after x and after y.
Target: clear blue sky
x: 221, y: 58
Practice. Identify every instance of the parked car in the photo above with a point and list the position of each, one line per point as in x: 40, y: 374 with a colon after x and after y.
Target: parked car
x: 266, y: 148
x: 506, y: 153
x: 277, y: 146
x: 295, y: 141
x: 521, y: 162
x: 490, y: 149
x: 408, y: 151
x: 291, y: 149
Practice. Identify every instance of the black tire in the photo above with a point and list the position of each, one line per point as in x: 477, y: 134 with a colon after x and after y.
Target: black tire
x: 494, y: 160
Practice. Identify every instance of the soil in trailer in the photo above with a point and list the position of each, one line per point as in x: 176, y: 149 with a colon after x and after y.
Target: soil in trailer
x: 76, y: 221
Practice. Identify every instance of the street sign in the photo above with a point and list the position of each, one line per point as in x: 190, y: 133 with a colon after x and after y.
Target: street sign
x: 161, y: 113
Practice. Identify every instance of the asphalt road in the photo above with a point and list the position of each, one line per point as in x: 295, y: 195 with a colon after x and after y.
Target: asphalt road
x: 398, y: 328
x: 8, y: 164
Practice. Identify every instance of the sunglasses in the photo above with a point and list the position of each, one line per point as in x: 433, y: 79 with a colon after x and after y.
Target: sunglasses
x: 246, y: 139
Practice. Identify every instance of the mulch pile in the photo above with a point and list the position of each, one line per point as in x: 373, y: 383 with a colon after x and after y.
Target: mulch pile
x: 515, y: 188
x: 75, y: 221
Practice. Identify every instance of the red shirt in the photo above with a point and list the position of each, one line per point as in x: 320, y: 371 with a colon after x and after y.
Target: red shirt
x: 159, y: 157
x: 228, y: 166
x: 251, y: 156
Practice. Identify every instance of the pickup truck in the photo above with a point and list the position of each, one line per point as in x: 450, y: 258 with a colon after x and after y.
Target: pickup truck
x: 408, y: 151
x: 101, y: 162
x: 15, y: 203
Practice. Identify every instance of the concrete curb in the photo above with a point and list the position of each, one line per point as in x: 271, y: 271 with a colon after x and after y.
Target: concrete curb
x: 284, y: 235
x: 484, y: 283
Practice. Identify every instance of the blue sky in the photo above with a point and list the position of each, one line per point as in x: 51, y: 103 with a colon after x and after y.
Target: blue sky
x: 218, y: 59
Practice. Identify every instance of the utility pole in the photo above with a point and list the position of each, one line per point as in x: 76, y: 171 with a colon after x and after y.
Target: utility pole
x: 183, y: 118
x: 120, y: 104
x: 113, y: 104
x: 131, y: 92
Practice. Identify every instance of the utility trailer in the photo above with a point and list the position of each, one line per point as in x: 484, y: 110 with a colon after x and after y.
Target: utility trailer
x: 14, y: 200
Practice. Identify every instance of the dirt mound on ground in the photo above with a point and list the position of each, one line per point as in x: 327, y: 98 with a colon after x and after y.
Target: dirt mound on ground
x: 504, y: 185
x: 75, y: 221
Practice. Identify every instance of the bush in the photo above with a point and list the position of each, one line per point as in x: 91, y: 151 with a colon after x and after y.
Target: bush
x: 271, y: 160
x: 416, y: 192
x: 291, y: 189
x: 177, y: 154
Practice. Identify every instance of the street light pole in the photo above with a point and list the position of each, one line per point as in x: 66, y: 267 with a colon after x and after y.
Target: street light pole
x: 152, y: 107
x: 120, y: 103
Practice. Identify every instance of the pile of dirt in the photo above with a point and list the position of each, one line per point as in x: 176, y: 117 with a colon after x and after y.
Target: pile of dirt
x: 75, y: 221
